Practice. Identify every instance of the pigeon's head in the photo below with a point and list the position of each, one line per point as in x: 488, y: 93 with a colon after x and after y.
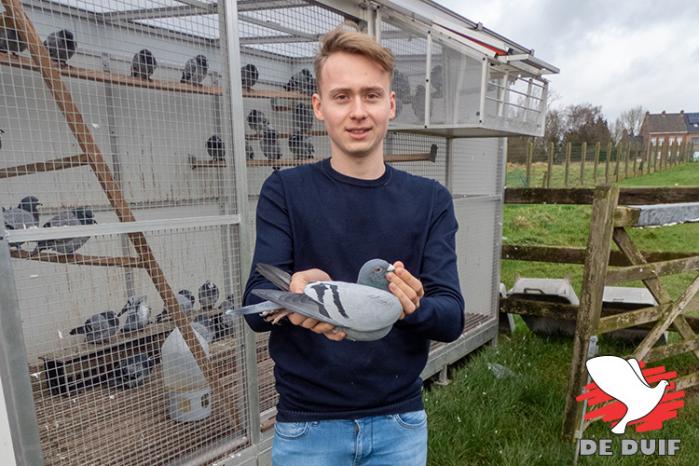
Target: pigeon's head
x: 228, y: 303
x: 269, y: 134
x: 373, y: 273
x: 147, y: 56
x: 306, y: 73
x: 30, y: 204
x: 208, y: 291
x: 85, y: 215
x: 188, y: 296
x: 249, y: 72
x: 202, y: 61
x: 214, y: 146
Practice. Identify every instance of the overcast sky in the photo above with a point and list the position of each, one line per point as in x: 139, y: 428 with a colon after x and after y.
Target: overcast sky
x: 613, y: 53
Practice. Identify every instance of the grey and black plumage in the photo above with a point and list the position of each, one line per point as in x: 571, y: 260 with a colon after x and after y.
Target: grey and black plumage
x: 2, y: 131
x: 137, y: 314
x: 61, y: 46
x: 185, y: 299
x: 257, y: 121
x: 131, y: 371
x: 302, y: 81
x: 11, y: 40
x: 195, y: 70
x: 25, y: 215
x: 215, y: 148
x: 73, y: 217
x: 300, y: 146
x: 249, y: 152
x: 302, y: 117
x: 365, y: 310
x: 401, y: 86
x: 208, y: 294
x: 269, y: 144
x: 143, y: 65
x: 419, y: 102
x: 249, y: 76
x: 99, y: 328
x: 437, y: 81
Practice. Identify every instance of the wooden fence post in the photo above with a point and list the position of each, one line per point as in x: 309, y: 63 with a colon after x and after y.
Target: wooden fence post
x: 619, y: 150
x: 551, y: 148
x: 569, y: 148
x: 530, y: 152
x: 606, y: 162
x: 583, y: 155
x: 594, y: 172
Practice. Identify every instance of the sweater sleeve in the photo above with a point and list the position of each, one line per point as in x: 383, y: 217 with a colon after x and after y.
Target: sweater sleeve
x: 273, y: 244
x: 440, y: 316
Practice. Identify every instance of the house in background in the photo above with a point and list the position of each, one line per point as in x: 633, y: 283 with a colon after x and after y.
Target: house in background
x: 692, y: 120
x: 659, y: 129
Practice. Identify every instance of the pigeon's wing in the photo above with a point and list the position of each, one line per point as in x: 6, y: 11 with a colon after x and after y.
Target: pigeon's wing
x: 299, y: 303
x: 613, y: 375
x: 277, y: 276
x: 266, y: 306
x: 69, y: 245
x: 63, y: 219
x: 637, y: 369
x: 18, y: 219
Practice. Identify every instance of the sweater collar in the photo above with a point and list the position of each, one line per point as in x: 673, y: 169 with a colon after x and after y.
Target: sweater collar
x: 380, y: 181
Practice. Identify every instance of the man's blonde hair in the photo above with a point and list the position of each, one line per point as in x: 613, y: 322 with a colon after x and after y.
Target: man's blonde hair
x: 356, y: 43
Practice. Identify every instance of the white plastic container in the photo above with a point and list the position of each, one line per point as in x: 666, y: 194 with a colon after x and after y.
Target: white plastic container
x: 188, y: 392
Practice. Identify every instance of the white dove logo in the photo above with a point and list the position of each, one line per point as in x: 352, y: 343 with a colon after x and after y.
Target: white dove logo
x: 622, y: 379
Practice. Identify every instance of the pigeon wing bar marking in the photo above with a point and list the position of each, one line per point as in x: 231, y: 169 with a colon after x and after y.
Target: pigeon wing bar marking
x: 297, y: 302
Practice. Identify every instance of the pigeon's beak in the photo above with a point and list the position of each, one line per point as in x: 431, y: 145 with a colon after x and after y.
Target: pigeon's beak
x: 390, y: 268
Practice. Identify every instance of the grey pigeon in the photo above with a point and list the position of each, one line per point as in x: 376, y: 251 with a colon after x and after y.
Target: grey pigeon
x: 137, y: 314
x: 99, y: 328
x: 303, y: 117
x: 228, y: 304
x: 365, y: 310
x: 249, y: 76
x: 437, y: 81
x: 143, y: 65
x: 214, y: 325
x: 132, y: 371
x: 215, y: 148
x: 185, y: 299
x: 300, y: 146
x: 77, y: 216
x: 10, y: 40
x: 270, y: 145
x: 302, y: 81
x: 249, y: 152
x: 25, y: 215
x: 195, y: 70
x: 208, y: 294
x: 257, y: 121
x: 401, y: 86
x: 201, y: 326
x: 61, y: 46
x: 419, y: 103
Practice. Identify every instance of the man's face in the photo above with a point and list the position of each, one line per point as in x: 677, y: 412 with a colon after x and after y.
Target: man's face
x: 355, y: 102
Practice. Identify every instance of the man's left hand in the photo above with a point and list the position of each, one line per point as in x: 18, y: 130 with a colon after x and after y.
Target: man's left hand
x: 406, y: 288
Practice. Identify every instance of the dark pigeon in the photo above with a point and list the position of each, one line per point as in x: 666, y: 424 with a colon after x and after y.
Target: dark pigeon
x: 143, y: 65
x: 303, y: 117
x: 137, y: 314
x: 10, y: 39
x: 257, y: 121
x: 401, y: 86
x: 61, y: 46
x: 25, y: 215
x: 249, y: 76
x: 208, y: 294
x: 302, y: 82
x: 270, y: 145
x: 215, y: 148
x: 132, y: 371
x: 249, y: 152
x: 437, y: 81
x: 300, y: 146
x: 195, y: 70
x: 185, y: 299
x: 78, y: 216
x: 99, y: 328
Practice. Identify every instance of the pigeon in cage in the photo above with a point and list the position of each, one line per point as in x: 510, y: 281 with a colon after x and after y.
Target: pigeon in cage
x: 302, y: 81
x: 143, y: 65
x: 401, y: 86
x: 365, y: 311
x: 269, y: 144
x: 99, y: 328
x: 10, y: 39
x: 300, y: 146
x: 303, y: 117
x: 137, y: 314
x: 200, y: 324
x: 228, y: 304
x: 25, y: 215
x: 195, y: 70
x: 208, y: 294
x: 73, y: 217
x: 419, y: 103
x: 249, y: 76
x: 2, y: 131
x: 61, y: 46
x: 257, y: 121
x: 215, y: 148
x: 437, y: 81
x: 132, y: 371
x: 215, y: 328
x: 249, y: 152
x: 185, y: 299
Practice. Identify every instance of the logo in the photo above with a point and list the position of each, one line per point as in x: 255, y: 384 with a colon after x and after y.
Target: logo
x: 628, y: 395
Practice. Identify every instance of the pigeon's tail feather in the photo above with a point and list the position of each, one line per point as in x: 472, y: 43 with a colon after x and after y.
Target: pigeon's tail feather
x: 78, y: 331
x: 277, y: 276
x: 265, y: 306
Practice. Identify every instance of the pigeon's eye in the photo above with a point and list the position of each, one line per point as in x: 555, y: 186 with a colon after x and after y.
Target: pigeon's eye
x: 377, y: 269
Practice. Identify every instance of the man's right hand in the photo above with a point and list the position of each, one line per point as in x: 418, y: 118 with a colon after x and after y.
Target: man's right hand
x: 299, y: 280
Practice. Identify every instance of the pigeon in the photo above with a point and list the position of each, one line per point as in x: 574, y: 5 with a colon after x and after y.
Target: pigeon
x: 201, y: 325
x: 99, y: 328
x: 215, y: 148
x: 300, y: 146
x: 249, y: 152
x: 401, y: 86
x: 25, y: 215
x: 365, y: 310
x: 270, y: 145
x: 228, y: 304
x: 249, y: 76
x: 10, y: 39
x: 419, y: 102
x: 137, y: 314
x: 143, y: 65
x: 208, y: 294
x: 2, y: 131
x: 195, y: 70
x: 77, y: 216
x: 61, y: 46
x: 257, y: 121
x: 302, y: 82
x: 303, y: 117
x: 132, y: 371
x: 437, y: 81
x: 185, y: 299
x: 622, y: 379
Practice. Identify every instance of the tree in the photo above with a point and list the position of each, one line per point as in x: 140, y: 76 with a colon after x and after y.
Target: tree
x: 585, y: 123
x: 631, y: 120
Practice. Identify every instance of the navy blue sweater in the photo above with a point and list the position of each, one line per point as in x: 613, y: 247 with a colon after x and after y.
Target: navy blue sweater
x: 312, y: 216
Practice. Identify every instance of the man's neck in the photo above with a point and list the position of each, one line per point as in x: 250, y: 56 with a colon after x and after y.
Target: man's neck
x: 365, y: 168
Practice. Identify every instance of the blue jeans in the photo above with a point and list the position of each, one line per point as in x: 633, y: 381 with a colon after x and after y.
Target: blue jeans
x: 390, y: 440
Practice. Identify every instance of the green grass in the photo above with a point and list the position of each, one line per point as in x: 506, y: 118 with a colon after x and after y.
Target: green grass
x: 481, y: 420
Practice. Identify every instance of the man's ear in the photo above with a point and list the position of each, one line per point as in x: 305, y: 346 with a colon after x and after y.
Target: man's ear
x: 392, y: 100
x: 316, y: 103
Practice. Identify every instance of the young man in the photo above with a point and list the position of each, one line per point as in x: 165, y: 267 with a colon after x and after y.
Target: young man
x: 343, y: 402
